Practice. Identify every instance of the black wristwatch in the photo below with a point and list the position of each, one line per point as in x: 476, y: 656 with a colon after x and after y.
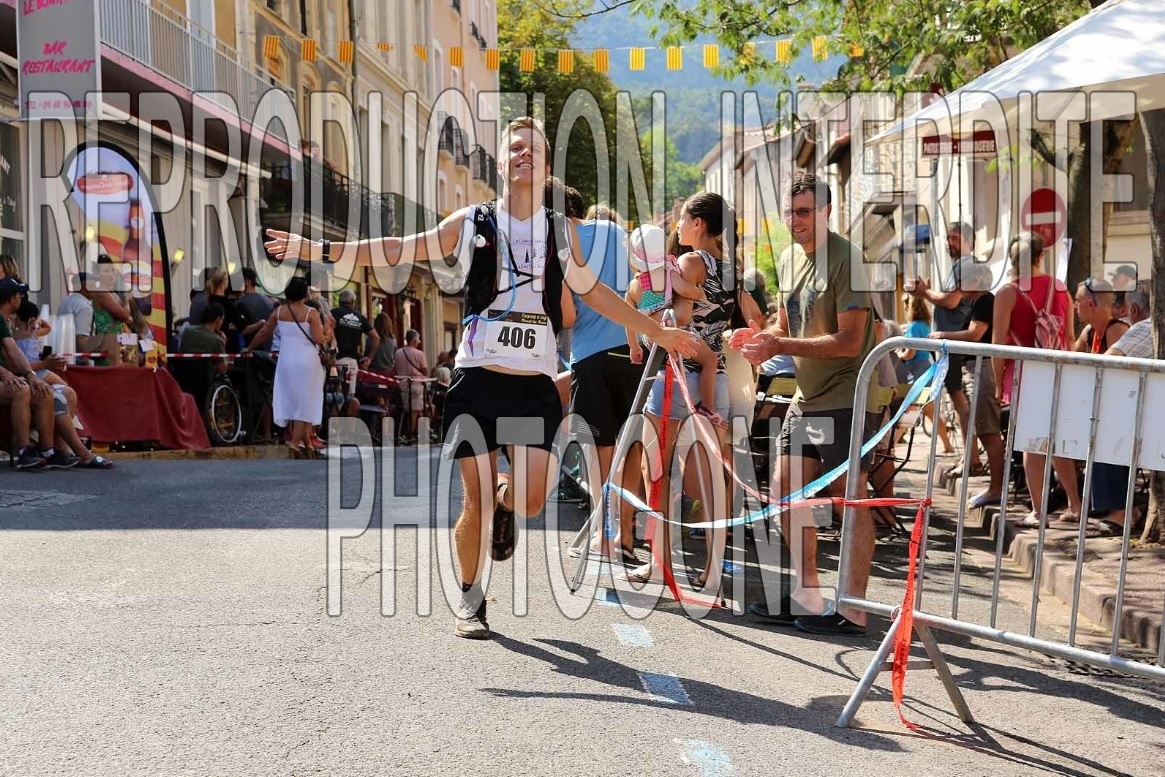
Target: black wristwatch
x: 326, y: 251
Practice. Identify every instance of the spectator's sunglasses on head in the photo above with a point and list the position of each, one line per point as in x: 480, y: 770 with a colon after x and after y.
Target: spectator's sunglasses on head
x: 1091, y: 292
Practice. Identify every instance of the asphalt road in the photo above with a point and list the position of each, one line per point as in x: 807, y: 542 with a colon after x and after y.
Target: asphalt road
x: 172, y: 618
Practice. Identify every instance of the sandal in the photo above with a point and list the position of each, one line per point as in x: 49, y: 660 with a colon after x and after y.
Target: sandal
x: 97, y: 462
x: 638, y: 578
x: 1065, y: 519
x: 1103, y: 527
x: 978, y: 470
x: 1030, y: 521
x: 983, y: 499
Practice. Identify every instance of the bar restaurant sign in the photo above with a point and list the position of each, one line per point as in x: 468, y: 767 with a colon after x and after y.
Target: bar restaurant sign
x: 981, y: 143
x: 59, y: 44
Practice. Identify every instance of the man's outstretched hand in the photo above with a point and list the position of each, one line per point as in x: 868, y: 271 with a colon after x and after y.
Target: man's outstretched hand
x: 755, y: 345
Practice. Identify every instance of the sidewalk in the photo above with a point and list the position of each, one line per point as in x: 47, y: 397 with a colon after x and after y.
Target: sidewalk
x: 1144, y: 594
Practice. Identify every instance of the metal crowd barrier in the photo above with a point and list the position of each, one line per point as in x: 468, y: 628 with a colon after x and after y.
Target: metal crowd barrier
x: 1056, y: 407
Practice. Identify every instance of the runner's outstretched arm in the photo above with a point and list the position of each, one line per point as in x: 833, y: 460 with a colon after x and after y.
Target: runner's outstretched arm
x: 603, y: 299
x: 373, y: 252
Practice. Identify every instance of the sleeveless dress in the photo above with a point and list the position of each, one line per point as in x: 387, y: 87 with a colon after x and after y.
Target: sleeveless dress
x: 299, y: 377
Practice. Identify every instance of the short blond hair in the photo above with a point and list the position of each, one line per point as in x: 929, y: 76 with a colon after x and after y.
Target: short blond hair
x: 521, y: 123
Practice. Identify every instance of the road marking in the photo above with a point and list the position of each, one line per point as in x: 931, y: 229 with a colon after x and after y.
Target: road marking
x: 633, y: 635
x: 711, y: 760
x: 666, y: 688
x: 607, y: 596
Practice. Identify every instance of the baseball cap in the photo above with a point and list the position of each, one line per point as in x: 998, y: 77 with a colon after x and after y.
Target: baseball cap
x: 648, y: 248
x: 10, y: 287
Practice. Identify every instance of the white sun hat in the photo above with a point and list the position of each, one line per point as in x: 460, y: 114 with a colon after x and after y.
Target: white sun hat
x: 648, y: 248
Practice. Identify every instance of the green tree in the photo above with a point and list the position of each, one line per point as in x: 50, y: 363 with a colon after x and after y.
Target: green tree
x: 681, y: 180
x: 774, y: 238
x: 531, y: 26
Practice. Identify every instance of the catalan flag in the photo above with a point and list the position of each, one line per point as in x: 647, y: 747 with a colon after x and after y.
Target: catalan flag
x: 711, y: 55
x: 385, y: 47
x: 675, y: 58
x: 602, y: 60
x: 856, y: 51
x: 785, y: 52
x: 270, y: 47
x: 526, y: 60
x: 347, y: 51
x: 457, y: 57
x: 749, y: 54
x: 421, y: 51
x: 820, y: 48
x: 493, y: 59
x: 565, y: 61
x: 307, y: 50
x: 638, y: 59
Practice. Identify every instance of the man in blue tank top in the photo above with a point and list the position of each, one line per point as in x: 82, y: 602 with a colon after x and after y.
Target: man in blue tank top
x: 603, y: 379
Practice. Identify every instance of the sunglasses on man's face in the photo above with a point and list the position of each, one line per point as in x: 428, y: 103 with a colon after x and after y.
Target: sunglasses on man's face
x: 801, y: 213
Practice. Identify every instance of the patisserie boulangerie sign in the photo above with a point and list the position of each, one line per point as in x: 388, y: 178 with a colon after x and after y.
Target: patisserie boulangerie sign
x: 60, y: 58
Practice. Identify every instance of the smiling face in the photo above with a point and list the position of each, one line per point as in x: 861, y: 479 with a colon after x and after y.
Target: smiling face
x: 805, y: 220
x: 108, y: 275
x: 524, y: 161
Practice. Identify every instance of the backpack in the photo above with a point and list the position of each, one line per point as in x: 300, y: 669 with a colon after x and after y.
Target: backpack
x: 481, y: 284
x: 1049, y: 328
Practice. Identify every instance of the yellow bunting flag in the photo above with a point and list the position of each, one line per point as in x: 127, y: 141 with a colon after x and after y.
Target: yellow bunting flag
x: 785, y: 52
x: 602, y: 60
x: 675, y: 58
x: 385, y: 47
x: 856, y: 51
x: 347, y: 51
x: 638, y: 59
x: 307, y: 50
x: 749, y: 54
x: 421, y: 51
x: 270, y: 47
x: 526, y: 60
x: 456, y: 56
x: 565, y: 61
x: 493, y: 59
x: 820, y: 48
x: 711, y: 55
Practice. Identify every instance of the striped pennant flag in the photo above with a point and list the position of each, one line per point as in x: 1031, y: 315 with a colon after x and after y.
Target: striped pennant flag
x: 638, y: 58
x: 565, y: 61
x: 711, y: 55
x: 675, y: 58
x: 856, y: 51
x: 308, y: 50
x: 526, y: 61
x: 748, y: 56
x: 602, y: 60
x: 820, y: 48
x: 421, y: 51
x: 493, y: 59
x: 385, y: 47
x: 785, y: 52
x: 347, y: 51
x: 457, y: 56
x: 270, y: 47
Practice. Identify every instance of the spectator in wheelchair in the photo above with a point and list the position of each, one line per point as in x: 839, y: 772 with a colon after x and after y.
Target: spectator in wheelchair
x: 206, y: 338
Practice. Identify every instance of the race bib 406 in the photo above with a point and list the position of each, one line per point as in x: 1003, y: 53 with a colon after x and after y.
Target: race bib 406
x: 517, y: 335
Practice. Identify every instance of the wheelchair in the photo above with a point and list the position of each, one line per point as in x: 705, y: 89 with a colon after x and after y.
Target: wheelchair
x: 222, y: 411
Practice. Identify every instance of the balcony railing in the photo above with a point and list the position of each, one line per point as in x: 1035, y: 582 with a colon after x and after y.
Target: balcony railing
x: 326, y: 194
x: 187, y: 54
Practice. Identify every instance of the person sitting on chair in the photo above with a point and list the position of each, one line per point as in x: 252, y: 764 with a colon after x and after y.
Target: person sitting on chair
x: 205, y: 337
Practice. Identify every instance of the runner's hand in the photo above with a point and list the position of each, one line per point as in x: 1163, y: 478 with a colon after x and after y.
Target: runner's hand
x: 677, y: 342
x: 288, y: 245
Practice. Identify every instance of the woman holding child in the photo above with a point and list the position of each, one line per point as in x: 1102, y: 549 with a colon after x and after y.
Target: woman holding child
x: 707, y: 224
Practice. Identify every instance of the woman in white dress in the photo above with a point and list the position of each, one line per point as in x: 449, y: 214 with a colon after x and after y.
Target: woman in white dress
x: 298, y: 402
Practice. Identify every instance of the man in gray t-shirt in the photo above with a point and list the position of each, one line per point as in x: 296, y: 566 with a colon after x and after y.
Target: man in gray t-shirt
x: 952, y: 310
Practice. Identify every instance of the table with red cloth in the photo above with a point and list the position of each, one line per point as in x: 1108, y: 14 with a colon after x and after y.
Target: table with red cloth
x: 127, y: 404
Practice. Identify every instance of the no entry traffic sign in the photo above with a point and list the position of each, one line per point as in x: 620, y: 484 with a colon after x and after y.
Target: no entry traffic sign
x: 1045, y: 214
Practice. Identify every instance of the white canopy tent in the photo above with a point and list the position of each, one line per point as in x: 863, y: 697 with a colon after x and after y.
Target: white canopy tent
x: 1118, y: 49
